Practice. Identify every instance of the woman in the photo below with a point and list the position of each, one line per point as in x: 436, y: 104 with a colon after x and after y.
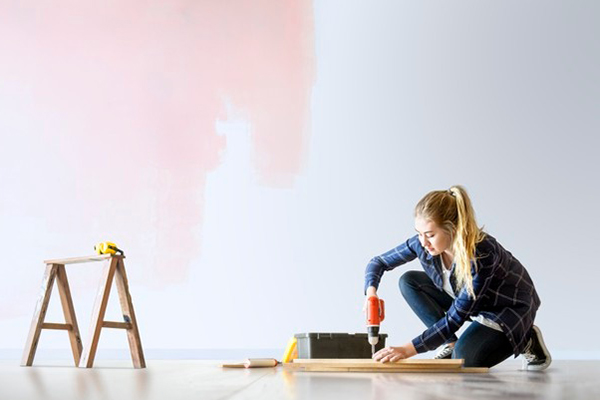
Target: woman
x: 467, y: 275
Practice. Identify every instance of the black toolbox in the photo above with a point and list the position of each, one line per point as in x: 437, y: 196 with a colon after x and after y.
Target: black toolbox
x: 336, y: 345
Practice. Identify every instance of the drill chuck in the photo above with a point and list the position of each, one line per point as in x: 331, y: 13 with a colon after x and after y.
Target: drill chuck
x: 373, y: 332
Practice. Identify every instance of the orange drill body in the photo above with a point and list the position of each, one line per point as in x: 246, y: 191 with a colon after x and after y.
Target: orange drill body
x: 375, y: 314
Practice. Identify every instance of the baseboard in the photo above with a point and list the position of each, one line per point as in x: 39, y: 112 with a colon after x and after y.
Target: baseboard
x: 150, y: 354
x: 220, y: 354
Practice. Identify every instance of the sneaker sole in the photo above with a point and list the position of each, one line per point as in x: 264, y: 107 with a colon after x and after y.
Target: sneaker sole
x: 545, y: 365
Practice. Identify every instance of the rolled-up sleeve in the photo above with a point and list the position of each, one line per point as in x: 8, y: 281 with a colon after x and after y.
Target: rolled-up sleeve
x: 389, y: 260
x: 462, y: 307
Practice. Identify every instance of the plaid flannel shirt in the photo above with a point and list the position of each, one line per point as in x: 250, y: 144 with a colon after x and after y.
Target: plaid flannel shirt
x: 504, y: 291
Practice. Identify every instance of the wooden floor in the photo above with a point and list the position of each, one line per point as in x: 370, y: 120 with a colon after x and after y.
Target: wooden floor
x: 205, y: 380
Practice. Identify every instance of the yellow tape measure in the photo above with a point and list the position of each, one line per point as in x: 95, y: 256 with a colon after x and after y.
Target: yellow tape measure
x: 107, y: 248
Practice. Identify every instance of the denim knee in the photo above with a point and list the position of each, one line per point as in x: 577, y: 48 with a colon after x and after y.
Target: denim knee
x: 409, y: 281
x: 471, y: 354
x: 460, y: 350
x: 471, y: 358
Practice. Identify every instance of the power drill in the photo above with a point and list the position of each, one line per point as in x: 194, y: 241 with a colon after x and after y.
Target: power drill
x: 375, y: 314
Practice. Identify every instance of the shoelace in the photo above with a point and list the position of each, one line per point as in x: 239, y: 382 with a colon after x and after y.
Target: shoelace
x: 528, y: 354
x: 444, y: 352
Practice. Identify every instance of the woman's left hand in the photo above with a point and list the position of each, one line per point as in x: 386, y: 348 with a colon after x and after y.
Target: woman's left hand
x: 391, y: 354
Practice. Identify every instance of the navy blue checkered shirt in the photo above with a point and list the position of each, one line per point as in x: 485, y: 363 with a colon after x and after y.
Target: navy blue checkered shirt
x: 504, y: 291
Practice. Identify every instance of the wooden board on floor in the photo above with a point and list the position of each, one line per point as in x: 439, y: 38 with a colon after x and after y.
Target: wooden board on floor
x: 319, y: 368
x: 367, y: 365
x: 449, y: 363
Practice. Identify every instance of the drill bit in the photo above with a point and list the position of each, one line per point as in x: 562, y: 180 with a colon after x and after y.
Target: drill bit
x: 372, y: 350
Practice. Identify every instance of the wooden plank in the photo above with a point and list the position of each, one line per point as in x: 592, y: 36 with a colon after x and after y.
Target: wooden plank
x: 62, y: 327
x: 367, y: 361
x: 322, y: 368
x: 83, y: 259
x: 69, y: 313
x: 380, y: 366
x: 117, y: 325
x: 133, y: 334
x: 368, y: 365
x: 39, y: 315
x: 89, y: 353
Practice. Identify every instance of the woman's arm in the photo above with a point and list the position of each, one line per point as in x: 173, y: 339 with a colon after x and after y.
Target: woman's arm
x: 462, y: 307
x: 391, y: 259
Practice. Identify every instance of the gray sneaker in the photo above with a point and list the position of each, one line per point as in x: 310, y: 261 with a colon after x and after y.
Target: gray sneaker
x: 444, y: 351
x: 536, y: 354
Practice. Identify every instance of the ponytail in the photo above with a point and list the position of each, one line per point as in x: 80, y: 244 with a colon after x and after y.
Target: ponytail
x: 468, y: 234
x: 452, y: 211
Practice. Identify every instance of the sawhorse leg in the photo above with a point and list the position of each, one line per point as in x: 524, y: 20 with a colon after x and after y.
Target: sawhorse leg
x: 114, y: 266
x: 53, y: 271
x: 133, y: 333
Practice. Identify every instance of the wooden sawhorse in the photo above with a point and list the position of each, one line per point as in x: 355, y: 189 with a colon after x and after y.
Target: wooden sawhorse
x: 84, y: 357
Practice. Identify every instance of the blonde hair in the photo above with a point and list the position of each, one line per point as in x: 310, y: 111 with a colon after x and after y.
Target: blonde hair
x: 452, y: 211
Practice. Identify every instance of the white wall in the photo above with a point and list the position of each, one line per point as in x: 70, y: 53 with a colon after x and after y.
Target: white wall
x: 502, y: 97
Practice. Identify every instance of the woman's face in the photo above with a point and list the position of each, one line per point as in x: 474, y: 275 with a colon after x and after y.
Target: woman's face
x: 433, y: 238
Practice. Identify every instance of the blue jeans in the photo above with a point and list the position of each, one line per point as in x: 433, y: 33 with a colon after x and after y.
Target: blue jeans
x: 479, y: 345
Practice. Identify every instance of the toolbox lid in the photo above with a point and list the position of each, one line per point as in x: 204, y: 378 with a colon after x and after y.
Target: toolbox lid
x: 325, y: 335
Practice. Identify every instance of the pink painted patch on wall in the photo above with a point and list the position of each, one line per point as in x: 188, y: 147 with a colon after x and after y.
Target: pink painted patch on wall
x: 125, y: 96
